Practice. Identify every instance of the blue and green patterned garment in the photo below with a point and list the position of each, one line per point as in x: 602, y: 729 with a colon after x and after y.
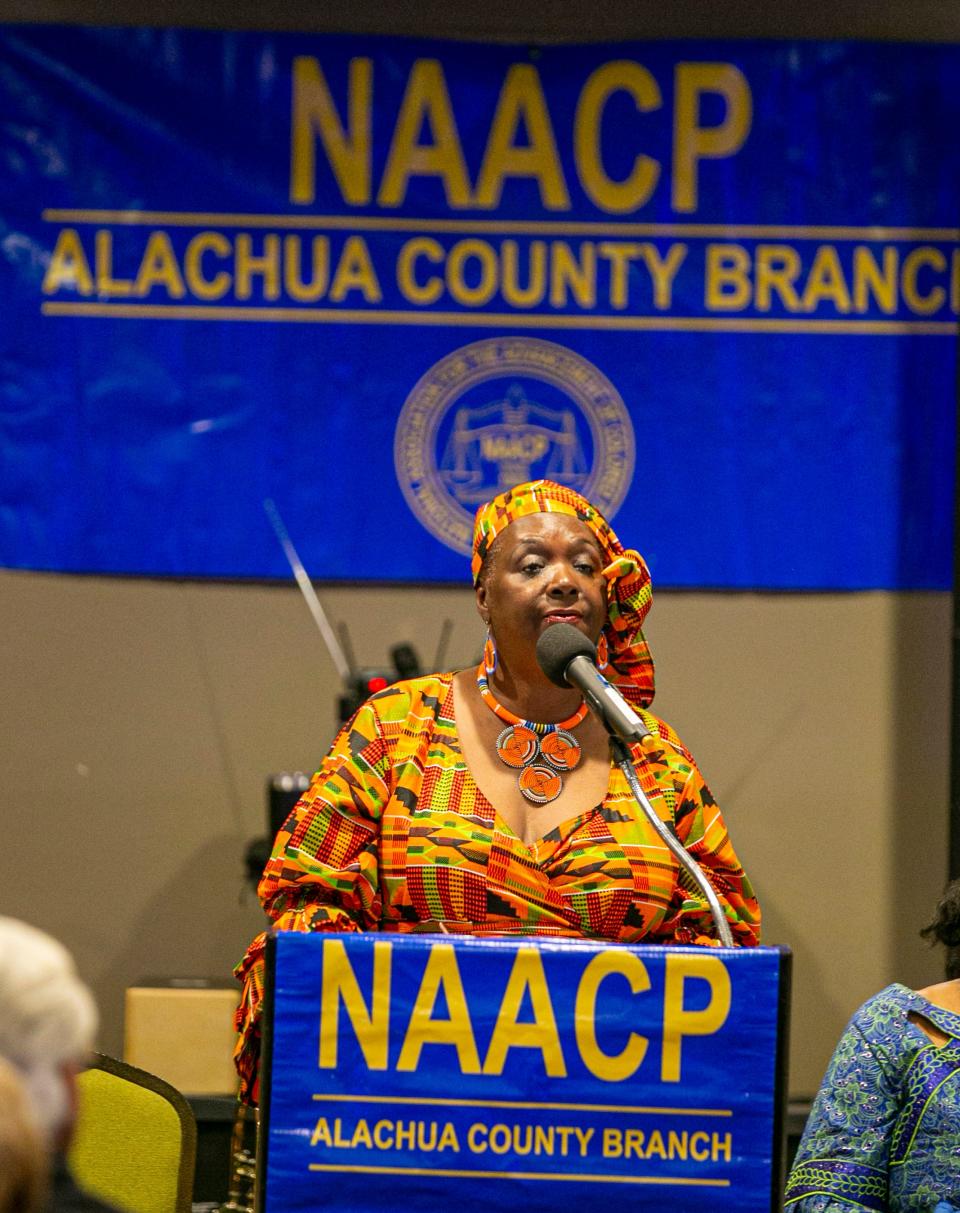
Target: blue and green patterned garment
x: 884, y: 1131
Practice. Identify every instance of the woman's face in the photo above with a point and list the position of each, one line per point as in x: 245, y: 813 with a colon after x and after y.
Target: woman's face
x: 543, y: 569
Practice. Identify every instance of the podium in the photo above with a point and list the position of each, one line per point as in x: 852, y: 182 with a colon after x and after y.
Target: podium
x: 420, y: 1072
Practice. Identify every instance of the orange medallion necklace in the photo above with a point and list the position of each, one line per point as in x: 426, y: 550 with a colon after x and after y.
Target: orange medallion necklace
x: 540, y: 752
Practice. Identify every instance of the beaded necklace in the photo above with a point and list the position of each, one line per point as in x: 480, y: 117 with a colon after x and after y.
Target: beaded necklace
x: 523, y: 742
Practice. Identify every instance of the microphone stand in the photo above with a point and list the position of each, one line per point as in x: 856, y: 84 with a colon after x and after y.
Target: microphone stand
x: 568, y: 658
x: 621, y: 753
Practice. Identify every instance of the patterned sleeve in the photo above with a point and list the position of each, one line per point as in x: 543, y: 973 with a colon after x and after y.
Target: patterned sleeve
x: 323, y: 872
x: 841, y: 1163
x: 701, y: 829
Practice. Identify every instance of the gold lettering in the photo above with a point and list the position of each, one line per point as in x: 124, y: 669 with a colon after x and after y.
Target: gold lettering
x: 68, y: 265
x: 583, y: 1139
x: 315, y: 113
x: 158, y: 267
x: 677, y: 1020
x: 955, y: 282
x: 306, y: 292
x: 619, y: 254
x: 663, y: 271
x: 521, y: 100
x: 528, y: 447
x: 106, y: 283
x: 612, y: 1143
x: 200, y: 286
x: 631, y: 193
x: 721, y: 1146
x: 340, y: 984
x: 526, y: 977
x: 266, y: 266
x: 727, y: 285
x: 321, y: 1133
x: 536, y: 288
x: 700, y: 1146
x: 579, y: 276
x: 543, y: 1139
x: 869, y: 279
x: 448, y: 1138
x: 426, y: 1140
x: 499, y: 1139
x: 462, y: 252
x: 611, y: 1067
x: 693, y: 142
x: 443, y: 972
x: 406, y: 1135
x: 355, y: 272
x: 777, y: 269
x: 564, y: 1132
x: 826, y: 281
x: 431, y: 250
x: 633, y: 1143
x: 426, y: 98
x: 916, y: 260
x: 655, y: 1145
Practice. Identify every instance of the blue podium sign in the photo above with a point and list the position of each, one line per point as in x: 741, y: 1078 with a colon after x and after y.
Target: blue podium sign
x: 419, y: 1071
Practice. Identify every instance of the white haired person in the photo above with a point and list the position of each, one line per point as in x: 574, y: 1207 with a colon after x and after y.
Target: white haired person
x: 48, y: 1021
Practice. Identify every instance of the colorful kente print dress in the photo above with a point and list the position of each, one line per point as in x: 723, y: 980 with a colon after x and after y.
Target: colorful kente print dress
x: 394, y: 835
x: 884, y: 1131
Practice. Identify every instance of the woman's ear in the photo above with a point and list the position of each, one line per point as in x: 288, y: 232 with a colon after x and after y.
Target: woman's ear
x: 482, y: 609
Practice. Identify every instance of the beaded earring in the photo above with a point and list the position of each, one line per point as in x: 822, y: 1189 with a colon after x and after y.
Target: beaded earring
x: 490, y: 654
x: 603, y: 657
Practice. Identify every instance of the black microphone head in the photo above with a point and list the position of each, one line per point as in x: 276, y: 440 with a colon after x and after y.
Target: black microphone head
x: 558, y: 646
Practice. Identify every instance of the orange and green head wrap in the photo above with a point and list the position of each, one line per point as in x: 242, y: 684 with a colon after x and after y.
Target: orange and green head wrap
x: 629, y: 593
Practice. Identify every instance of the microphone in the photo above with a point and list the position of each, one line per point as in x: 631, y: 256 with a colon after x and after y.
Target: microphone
x: 569, y: 658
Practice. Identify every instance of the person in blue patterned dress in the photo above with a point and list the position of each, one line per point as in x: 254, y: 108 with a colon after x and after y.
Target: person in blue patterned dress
x: 884, y: 1131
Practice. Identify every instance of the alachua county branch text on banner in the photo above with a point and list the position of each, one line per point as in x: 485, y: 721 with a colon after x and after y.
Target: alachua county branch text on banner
x: 714, y: 286
x: 429, y: 1070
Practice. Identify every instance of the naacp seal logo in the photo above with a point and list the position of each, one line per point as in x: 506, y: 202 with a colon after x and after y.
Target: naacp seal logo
x: 502, y: 411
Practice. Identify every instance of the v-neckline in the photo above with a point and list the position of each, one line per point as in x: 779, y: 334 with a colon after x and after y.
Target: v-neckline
x: 565, y: 828
x: 941, y: 1017
x: 498, y: 823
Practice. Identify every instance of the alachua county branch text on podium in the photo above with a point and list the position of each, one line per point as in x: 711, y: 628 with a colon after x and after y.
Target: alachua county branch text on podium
x: 428, y: 1070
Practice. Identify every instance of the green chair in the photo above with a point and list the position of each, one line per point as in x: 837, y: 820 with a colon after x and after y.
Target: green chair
x: 135, y: 1143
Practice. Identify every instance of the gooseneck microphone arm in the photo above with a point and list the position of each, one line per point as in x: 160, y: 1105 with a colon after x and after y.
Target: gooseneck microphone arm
x: 568, y: 658
x: 624, y: 761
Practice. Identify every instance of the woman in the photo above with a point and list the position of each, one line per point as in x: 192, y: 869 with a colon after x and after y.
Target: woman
x: 884, y: 1130
x: 485, y: 802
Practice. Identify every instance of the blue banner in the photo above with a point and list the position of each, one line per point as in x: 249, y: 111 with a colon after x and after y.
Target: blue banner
x: 429, y: 1072
x: 712, y: 285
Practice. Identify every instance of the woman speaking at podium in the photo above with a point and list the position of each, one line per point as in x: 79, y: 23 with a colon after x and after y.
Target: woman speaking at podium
x: 485, y: 802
